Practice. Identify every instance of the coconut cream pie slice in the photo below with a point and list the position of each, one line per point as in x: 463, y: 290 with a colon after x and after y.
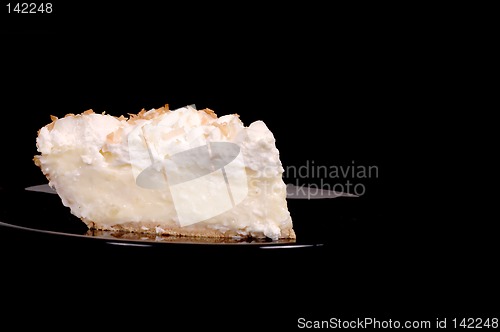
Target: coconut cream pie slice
x: 182, y: 172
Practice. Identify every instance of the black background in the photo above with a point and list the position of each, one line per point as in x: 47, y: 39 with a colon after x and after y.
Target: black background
x: 335, y: 85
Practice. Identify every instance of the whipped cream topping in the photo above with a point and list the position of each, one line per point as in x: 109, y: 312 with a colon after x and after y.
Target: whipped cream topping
x: 96, y: 163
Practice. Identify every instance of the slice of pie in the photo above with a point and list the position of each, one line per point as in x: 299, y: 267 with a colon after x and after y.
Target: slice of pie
x: 182, y: 172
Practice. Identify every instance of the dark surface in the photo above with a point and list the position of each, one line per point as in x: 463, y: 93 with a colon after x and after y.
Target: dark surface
x: 342, y: 86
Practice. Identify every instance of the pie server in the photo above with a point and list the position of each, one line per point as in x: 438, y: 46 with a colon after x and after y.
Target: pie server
x: 292, y: 192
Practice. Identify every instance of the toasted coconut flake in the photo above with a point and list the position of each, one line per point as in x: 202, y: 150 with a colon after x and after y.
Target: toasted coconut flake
x: 114, y: 137
x: 224, y: 129
x: 51, y: 125
x: 37, y: 162
x: 210, y: 112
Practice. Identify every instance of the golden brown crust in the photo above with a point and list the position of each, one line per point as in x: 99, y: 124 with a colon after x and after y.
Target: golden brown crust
x: 133, y: 236
x: 190, y: 231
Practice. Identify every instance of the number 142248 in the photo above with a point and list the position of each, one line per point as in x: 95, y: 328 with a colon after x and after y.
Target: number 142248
x: 29, y: 8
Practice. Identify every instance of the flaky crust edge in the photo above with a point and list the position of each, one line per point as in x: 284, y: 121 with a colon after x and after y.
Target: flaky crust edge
x: 188, y: 231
